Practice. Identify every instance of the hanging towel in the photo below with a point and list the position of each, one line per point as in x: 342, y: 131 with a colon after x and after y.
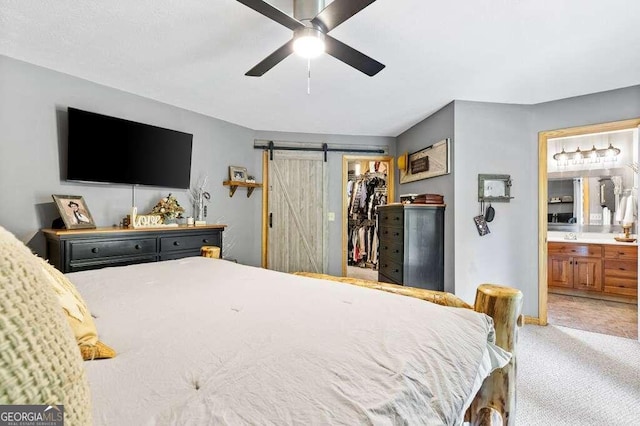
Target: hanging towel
x: 628, y: 211
x: 621, y: 209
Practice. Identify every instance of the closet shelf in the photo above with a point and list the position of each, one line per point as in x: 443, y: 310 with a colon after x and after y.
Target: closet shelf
x: 233, y: 185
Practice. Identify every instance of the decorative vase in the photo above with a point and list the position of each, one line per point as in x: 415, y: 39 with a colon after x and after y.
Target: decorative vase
x: 198, y: 206
x: 169, y: 220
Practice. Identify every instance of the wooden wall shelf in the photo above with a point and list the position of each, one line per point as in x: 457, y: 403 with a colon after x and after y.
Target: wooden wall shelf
x: 233, y: 185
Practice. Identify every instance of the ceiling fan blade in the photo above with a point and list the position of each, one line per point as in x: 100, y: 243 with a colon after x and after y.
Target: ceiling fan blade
x: 273, y: 13
x: 351, y: 56
x: 272, y: 60
x: 337, y: 12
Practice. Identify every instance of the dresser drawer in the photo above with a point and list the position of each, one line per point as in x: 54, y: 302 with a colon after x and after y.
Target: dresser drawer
x: 572, y: 249
x: 391, y: 269
x: 189, y: 242
x: 621, y: 269
x: 172, y: 255
x: 621, y: 252
x: 391, y: 235
x: 621, y: 286
x: 391, y: 217
x: 99, y: 249
x: 103, y: 263
x: 392, y: 251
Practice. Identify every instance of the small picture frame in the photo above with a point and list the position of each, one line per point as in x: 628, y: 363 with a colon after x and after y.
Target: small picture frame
x: 74, y: 211
x: 237, y: 174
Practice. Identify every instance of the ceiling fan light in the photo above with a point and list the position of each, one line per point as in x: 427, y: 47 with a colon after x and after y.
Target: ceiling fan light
x: 309, y: 43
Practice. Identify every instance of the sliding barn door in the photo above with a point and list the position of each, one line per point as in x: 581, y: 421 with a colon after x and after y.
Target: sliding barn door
x: 296, y: 206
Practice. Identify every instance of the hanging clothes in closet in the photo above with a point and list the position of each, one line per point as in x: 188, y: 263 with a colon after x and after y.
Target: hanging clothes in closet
x: 365, y: 193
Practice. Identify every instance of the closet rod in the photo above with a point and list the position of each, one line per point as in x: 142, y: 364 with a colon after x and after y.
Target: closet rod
x: 325, y: 148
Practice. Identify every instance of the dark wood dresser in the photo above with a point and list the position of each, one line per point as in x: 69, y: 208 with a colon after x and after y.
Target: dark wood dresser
x: 81, y: 249
x: 412, y: 245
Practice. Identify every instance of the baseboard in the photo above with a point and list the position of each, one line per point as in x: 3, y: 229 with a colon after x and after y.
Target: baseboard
x: 594, y: 295
x: 531, y: 320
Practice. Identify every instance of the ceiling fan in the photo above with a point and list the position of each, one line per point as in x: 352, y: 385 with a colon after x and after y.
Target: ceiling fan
x: 310, y: 24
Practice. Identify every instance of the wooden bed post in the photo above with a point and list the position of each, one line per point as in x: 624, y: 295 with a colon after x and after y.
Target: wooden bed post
x: 498, y: 392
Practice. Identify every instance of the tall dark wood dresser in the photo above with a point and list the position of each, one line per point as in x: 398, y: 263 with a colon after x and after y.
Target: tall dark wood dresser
x: 412, y: 245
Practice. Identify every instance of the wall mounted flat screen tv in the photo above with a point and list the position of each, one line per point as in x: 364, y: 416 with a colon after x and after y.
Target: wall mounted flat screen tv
x: 113, y: 150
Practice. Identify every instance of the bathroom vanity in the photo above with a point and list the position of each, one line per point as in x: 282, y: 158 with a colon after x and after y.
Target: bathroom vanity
x: 593, y: 265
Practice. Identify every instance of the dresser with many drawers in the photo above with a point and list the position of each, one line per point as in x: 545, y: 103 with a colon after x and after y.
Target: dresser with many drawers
x: 412, y: 245
x: 81, y: 249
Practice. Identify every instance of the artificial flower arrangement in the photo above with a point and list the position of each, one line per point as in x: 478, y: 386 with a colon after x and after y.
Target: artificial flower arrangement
x: 168, y: 208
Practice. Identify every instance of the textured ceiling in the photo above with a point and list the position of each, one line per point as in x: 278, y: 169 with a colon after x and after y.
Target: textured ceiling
x: 194, y: 54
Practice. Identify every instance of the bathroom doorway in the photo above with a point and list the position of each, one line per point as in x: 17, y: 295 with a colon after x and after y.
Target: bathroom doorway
x: 588, y: 279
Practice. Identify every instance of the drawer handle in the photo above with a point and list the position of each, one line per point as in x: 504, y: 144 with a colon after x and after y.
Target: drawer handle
x: 205, y: 240
x: 396, y: 271
x: 138, y: 247
x: 397, y: 234
x: 176, y: 243
x: 622, y: 269
x: 385, y: 232
x: 94, y: 250
x: 397, y: 251
x: 396, y: 218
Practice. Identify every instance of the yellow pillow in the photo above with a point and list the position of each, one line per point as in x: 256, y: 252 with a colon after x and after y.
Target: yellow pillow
x: 78, y: 315
x: 39, y: 362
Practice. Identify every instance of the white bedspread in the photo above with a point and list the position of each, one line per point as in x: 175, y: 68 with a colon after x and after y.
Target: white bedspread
x: 209, y: 342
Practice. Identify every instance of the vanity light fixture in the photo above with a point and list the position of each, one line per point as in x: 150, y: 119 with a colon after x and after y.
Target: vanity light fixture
x: 592, y: 155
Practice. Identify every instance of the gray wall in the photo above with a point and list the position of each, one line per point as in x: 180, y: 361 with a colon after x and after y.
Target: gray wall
x: 596, y: 108
x: 33, y: 102
x: 501, y: 138
x: 334, y: 171
x: 434, y: 128
x: 494, y: 139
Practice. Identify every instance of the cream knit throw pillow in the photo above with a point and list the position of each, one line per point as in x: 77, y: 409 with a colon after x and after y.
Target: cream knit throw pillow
x: 39, y: 358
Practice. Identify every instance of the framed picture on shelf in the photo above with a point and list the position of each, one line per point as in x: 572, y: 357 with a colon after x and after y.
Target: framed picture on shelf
x: 74, y: 211
x: 237, y: 174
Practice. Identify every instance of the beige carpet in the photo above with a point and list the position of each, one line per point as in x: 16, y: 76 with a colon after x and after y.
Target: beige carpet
x: 575, y: 377
x: 362, y: 273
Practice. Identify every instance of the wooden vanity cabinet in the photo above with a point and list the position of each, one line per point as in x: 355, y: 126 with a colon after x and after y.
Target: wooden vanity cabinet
x: 577, y: 266
x: 597, y: 268
x: 621, y: 270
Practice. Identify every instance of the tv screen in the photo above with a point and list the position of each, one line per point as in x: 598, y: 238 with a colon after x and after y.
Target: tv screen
x: 113, y: 150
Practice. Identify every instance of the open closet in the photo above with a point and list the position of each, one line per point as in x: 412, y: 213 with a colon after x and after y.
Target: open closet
x: 367, y: 186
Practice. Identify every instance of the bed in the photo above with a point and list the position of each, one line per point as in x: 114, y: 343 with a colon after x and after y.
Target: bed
x: 207, y: 341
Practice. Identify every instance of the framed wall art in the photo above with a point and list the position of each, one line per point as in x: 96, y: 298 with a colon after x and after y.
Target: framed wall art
x: 74, y: 211
x: 237, y: 174
x: 427, y: 163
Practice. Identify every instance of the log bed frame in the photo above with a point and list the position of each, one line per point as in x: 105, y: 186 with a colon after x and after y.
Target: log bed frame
x: 495, y: 402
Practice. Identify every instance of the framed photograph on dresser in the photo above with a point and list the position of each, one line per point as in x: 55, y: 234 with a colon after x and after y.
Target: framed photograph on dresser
x: 74, y: 211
